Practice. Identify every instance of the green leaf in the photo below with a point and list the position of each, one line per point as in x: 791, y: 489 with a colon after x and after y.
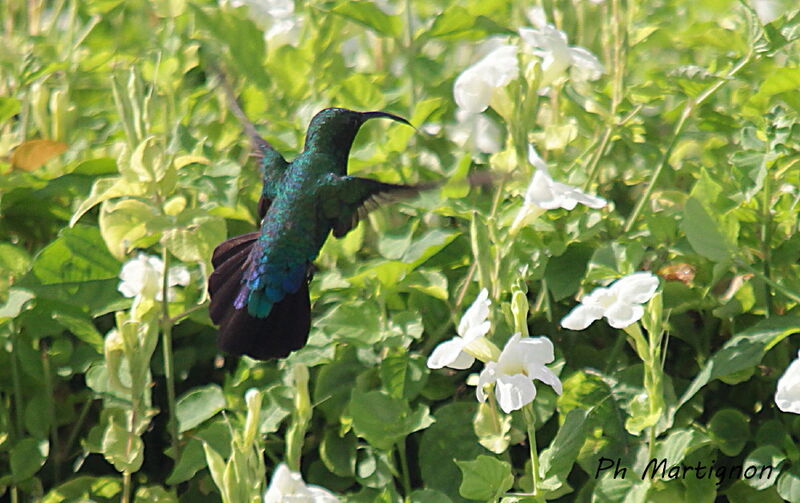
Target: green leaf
x: 730, y: 431
x: 17, y: 299
x: 557, y: 460
x: 428, y: 496
x: 122, y: 448
x: 704, y: 233
x: 339, y: 453
x: 9, y: 107
x: 198, y: 405
x: 196, y: 242
x: 104, y: 189
x: 404, y: 375
x: 383, y: 420
x: 124, y: 223
x: 565, y: 272
x: 77, y: 255
x: 743, y: 351
x: 484, y: 479
x: 765, y: 456
x: 492, y: 428
x: 450, y: 438
x: 27, y: 457
x: 369, y: 15
x: 789, y: 484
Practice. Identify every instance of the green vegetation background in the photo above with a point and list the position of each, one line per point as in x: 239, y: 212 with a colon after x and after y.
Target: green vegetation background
x: 114, y: 137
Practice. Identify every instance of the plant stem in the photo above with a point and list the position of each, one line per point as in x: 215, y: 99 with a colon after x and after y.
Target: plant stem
x: 169, y: 369
x: 530, y: 421
x: 126, y: 487
x: 401, y: 450
x: 51, y: 412
x: 690, y: 106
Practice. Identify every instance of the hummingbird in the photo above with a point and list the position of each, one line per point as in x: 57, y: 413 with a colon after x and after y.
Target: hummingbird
x: 259, y: 287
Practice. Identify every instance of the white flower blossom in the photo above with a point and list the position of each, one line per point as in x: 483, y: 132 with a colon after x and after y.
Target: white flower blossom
x: 476, y: 132
x: 474, y: 88
x: 550, y: 44
x: 277, y: 18
x: 770, y: 10
x: 547, y: 194
x: 521, y: 361
x: 143, y: 277
x: 787, y: 396
x: 287, y: 486
x: 473, y: 325
x: 620, y: 303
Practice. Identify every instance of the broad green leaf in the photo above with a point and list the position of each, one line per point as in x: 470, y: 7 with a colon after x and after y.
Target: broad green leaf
x: 485, y: 478
x: 27, y: 457
x: 704, y: 233
x: 769, y: 459
x: 122, y: 448
x: 557, y: 460
x: 17, y: 299
x: 198, y: 405
x: 104, y: 189
x: 9, y: 107
x: 492, y: 428
x: 428, y: 496
x: 383, y: 420
x: 565, y: 272
x: 743, y: 351
x: 789, y: 484
x: 339, y: 453
x: 403, y: 375
x: 730, y: 431
x: 77, y: 255
x: 85, y: 488
x: 369, y: 15
x: 196, y: 242
x: 450, y: 438
x: 124, y: 223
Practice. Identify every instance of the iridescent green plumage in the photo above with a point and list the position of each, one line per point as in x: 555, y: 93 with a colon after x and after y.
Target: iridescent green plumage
x: 259, y: 288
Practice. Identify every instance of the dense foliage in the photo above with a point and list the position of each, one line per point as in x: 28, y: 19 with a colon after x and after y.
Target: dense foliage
x: 674, y: 123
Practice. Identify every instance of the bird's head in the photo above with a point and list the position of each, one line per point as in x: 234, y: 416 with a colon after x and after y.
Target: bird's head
x: 333, y: 130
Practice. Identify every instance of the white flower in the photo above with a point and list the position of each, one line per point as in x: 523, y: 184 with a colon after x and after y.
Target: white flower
x: 545, y: 193
x: 770, y: 10
x: 550, y: 44
x: 476, y: 131
x: 620, y: 303
x: 474, y: 88
x: 521, y: 361
x: 143, y: 277
x: 282, y: 25
x: 787, y: 397
x: 287, y: 486
x: 473, y: 325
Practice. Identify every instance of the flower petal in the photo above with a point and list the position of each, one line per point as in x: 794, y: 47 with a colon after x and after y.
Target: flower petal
x: 580, y: 317
x: 585, y: 66
x: 448, y: 353
x: 476, y: 315
x: 514, y: 391
x: 621, y: 315
x: 545, y: 375
x: 637, y: 288
x: 487, y: 376
x: 787, y: 395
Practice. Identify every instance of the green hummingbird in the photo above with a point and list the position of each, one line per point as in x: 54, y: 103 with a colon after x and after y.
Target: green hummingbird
x: 259, y: 287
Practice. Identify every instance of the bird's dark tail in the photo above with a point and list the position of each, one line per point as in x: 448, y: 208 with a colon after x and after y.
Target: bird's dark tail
x: 284, y: 330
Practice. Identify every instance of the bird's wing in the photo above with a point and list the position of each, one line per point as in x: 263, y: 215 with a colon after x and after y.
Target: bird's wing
x: 344, y: 200
x: 270, y: 161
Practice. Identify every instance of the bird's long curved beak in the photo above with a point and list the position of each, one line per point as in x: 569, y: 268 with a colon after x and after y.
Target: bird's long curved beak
x: 372, y: 115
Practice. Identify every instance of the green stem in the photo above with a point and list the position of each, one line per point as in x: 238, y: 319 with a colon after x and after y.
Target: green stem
x: 530, y: 421
x: 126, y: 487
x: 777, y: 286
x: 406, y: 478
x: 766, y: 239
x: 690, y: 106
x: 19, y: 403
x: 51, y: 412
x: 169, y: 368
